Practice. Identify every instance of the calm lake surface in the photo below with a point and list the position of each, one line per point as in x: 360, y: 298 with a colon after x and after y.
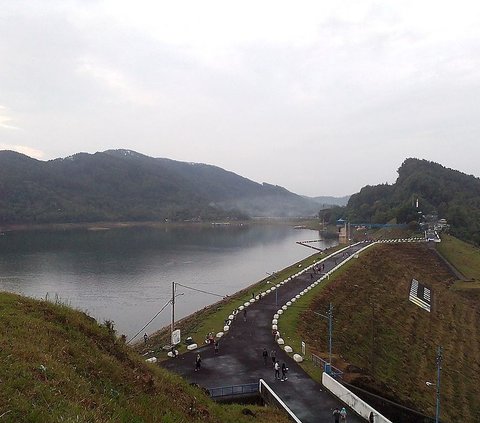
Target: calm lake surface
x: 125, y: 275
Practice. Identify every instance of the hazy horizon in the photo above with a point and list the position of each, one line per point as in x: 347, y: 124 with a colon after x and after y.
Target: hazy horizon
x: 319, y: 97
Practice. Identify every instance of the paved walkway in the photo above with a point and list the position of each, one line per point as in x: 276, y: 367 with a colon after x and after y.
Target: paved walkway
x: 240, y: 356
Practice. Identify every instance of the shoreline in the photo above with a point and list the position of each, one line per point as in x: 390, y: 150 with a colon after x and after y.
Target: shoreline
x: 105, y: 226
x: 214, y: 314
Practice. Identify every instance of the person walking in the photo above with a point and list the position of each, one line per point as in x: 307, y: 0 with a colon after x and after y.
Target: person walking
x: 343, y: 415
x: 215, y: 348
x: 198, y: 361
x: 284, y: 371
x: 145, y: 337
x: 277, y: 370
x: 244, y: 314
x: 336, y: 415
x: 265, y: 356
x: 273, y: 354
x: 371, y: 418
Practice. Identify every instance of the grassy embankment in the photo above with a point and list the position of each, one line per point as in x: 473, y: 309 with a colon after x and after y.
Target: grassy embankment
x: 387, y: 344
x: 59, y: 365
x: 211, y: 318
x: 465, y: 258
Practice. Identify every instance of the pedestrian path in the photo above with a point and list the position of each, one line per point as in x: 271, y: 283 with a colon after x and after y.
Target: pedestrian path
x: 240, y: 360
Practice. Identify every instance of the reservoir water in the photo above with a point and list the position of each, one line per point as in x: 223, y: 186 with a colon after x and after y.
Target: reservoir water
x: 125, y: 274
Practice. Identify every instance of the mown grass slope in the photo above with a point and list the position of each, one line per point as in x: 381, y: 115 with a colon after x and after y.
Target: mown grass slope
x: 59, y: 365
x: 389, y: 344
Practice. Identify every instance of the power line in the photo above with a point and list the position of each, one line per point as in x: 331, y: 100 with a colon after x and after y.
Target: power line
x: 200, y: 290
x: 151, y: 320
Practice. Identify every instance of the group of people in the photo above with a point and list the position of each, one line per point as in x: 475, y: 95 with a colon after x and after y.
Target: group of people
x: 340, y: 415
x: 276, y: 364
x: 319, y: 268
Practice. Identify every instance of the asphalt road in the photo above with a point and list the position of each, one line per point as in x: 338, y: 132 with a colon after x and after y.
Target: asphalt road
x: 240, y: 360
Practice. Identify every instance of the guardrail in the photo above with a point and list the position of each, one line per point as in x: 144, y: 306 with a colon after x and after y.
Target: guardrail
x: 228, y: 391
x: 271, y: 398
x: 320, y: 362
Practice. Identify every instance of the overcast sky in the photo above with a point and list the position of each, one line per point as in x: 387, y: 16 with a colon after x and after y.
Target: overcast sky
x: 321, y: 97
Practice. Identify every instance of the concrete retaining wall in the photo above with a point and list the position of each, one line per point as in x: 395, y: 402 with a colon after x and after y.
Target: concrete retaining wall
x: 349, y: 398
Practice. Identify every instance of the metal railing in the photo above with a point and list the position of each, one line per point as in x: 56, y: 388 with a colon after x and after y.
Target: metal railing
x: 228, y: 391
x: 271, y: 398
x: 328, y: 368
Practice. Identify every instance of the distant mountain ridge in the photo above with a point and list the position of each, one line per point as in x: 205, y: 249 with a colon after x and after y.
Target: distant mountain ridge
x: 328, y: 201
x: 126, y: 185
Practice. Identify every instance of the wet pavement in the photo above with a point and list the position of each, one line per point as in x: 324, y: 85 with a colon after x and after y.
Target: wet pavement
x: 240, y: 360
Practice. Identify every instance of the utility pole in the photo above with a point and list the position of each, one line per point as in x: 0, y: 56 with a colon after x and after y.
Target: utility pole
x: 330, y: 328
x: 172, y: 325
x: 373, y: 339
x: 439, y: 369
x: 329, y: 317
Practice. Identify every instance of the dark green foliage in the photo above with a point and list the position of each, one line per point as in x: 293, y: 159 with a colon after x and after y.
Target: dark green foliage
x: 124, y: 185
x: 452, y: 195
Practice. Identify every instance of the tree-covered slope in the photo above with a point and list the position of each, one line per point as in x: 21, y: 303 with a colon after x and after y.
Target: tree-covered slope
x: 124, y: 185
x: 451, y: 194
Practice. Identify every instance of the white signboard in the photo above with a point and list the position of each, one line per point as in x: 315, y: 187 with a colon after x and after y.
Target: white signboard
x: 420, y: 295
x: 303, y: 348
x: 176, y: 337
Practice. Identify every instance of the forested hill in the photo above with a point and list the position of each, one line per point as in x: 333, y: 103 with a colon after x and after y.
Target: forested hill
x: 124, y: 185
x: 451, y: 194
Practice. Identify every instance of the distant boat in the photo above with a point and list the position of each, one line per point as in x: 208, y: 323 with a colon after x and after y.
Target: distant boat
x: 300, y: 227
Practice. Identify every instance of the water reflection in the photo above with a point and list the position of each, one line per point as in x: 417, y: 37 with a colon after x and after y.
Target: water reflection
x: 125, y: 274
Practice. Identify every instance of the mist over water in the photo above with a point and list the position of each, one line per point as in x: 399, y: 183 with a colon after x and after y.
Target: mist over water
x: 125, y: 275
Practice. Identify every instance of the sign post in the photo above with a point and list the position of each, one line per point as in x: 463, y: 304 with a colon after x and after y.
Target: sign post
x: 176, y: 337
x: 303, y: 347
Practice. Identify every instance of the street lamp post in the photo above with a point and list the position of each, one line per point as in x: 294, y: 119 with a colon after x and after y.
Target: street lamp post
x: 274, y: 275
x: 437, y: 387
x: 172, y: 301
x: 439, y: 369
x: 329, y: 317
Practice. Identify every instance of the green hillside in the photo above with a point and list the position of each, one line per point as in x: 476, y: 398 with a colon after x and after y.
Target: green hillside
x: 59, y: 365
x: 451, y: 194
x: 123, y: 185
x: 386, y: 344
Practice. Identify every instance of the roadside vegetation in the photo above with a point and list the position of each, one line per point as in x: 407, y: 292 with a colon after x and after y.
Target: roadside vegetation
x: 60, y: 365
x: 386, y: 344
x: 464, y: 257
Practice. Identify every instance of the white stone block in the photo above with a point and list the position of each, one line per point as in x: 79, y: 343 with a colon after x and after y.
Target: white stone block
x: 274, y: 322
x: 230, y: 317
x: 289, y: 303
x: 293, y: 300
x: 280, y: 311
x: 226, y: 328
x: 252, y: 300
x: 288, y: 349
x: 241, y: 308
x: 276, y: 316
x: 154, y: 359
x: 274, y: 327
x: 192, y: 347
x: 280, y: 341
x: 297, y: 296
x: 284, y: 307
x: 298, y: 358
x: 246, y: 304
x: 219, y: 334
